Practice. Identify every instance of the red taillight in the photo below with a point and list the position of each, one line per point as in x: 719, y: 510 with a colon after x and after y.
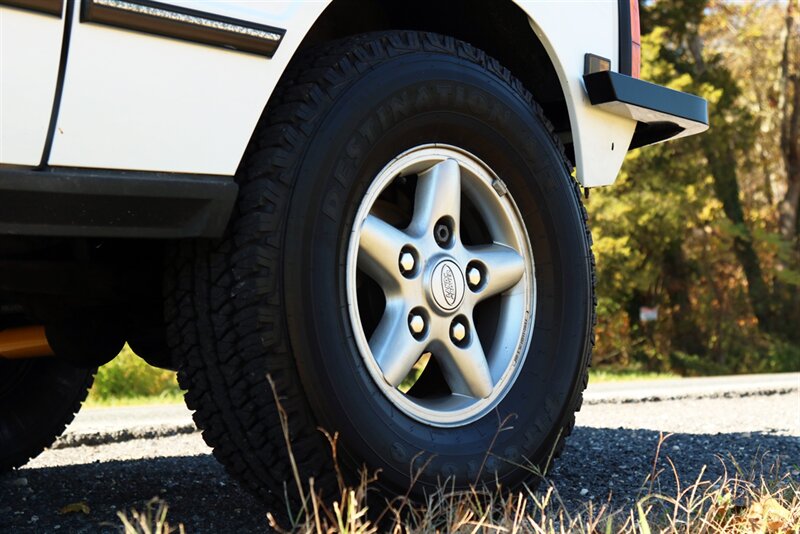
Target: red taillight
x: 636, y: 40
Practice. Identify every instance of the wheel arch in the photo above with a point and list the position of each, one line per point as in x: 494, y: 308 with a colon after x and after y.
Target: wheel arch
x: 504, y: 32
x: 542, y: 43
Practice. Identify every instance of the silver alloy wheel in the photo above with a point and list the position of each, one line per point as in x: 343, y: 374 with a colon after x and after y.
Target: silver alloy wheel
x: 433, y: 283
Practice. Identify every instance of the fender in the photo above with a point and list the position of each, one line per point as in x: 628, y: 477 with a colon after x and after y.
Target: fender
x: 601, y: 139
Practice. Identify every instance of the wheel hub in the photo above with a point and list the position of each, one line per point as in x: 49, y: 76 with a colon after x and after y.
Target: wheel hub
x: 446, y: 285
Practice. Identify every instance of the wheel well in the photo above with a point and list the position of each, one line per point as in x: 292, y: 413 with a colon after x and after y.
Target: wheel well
x: 502, y: 31
x: 90, y: 294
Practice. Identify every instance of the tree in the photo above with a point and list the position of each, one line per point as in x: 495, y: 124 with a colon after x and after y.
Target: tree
x: 731, y: 140
x: 698, y: 227
x: 789, y: 105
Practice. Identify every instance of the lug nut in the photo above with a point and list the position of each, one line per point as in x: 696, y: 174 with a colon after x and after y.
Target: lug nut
x: 458, y: 331
x: 406, y: 262
x: 416, y: 323
x: 442, y: 233
x: 474, y: 277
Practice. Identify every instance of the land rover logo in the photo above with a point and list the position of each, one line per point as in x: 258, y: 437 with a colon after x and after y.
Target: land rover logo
x: 447, y: 285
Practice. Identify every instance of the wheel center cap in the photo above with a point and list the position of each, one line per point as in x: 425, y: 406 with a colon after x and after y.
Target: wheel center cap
x: 447, y: 285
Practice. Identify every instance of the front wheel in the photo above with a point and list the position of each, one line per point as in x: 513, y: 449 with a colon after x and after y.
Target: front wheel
x: 408, y: 260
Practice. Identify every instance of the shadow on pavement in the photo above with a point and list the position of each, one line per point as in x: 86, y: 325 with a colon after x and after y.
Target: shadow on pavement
x: 204, y: 499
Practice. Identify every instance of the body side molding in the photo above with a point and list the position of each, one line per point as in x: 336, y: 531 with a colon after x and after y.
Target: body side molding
x: 185, y: 24
x: 51, y: 7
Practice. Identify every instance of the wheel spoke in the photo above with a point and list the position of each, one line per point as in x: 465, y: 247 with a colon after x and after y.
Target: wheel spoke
x: 465, y: 368
x: 379, y: 251
x: 392, y: 345
x: 503, y: 268
x: 438, y: 195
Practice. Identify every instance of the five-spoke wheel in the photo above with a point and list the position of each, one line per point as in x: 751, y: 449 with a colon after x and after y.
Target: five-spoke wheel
x: 427, y: 344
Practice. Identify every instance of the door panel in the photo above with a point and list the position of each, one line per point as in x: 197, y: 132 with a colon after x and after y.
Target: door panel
x: 30, y: 53
x: 154, y: 95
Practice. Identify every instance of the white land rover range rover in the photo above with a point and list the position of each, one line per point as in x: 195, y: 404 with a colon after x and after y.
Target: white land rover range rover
x: 368, y: 204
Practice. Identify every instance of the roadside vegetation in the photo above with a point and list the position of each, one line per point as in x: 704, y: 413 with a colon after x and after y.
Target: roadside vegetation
x: 739, y: 502
x: 755, y: 499
x: 130, y: 380
x: 697, y: 244
x: 621, y: 374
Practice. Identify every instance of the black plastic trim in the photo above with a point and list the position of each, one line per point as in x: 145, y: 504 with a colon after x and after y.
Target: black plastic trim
x: 625, y: 37
x: 662, y: 113
x: 595, y: 63
x: 185, y: 24
x: 50, y: 7
x: 107, y: 203
x: 62, y: 70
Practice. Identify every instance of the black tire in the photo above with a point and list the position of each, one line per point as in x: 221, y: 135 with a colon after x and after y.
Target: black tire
x: 267, y: 298
x: 38, y: 399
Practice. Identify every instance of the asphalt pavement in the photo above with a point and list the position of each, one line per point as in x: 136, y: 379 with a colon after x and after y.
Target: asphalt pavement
x: 116, y: 459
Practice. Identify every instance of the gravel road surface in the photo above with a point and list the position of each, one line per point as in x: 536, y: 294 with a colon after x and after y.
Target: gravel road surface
x: 117, y: 459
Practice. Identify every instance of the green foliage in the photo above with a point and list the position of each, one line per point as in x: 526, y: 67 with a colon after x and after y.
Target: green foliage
x: 610, y: 374
x: 690, y: 227
x: 128, y: 377
x: 779, y: 356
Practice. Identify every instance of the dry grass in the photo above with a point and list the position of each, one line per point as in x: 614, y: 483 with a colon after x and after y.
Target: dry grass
x: 153, y: 520
x: 735, y: 502
x: 746, y: 500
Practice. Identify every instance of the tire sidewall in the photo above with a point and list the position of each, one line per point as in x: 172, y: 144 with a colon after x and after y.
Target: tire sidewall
x: 411, y: 100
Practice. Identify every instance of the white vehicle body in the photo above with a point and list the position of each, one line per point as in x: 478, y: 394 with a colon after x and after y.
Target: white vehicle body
x: 137, y: 101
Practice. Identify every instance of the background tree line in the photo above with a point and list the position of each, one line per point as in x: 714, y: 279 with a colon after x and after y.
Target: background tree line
x: 706, y: 228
